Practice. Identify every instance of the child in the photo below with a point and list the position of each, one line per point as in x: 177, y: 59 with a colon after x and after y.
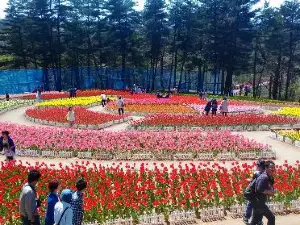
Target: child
x: 214, y: 107
x: 207, y: 108
x: 120, y: 106
x: 224, y: 107
x: 71, y: 117
x: 77, y: 202
x: 260, y: 166
x: 52, y: 200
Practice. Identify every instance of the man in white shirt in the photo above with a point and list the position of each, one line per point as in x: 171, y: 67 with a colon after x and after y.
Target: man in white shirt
x: 63, y: 213
x: 104, y: 99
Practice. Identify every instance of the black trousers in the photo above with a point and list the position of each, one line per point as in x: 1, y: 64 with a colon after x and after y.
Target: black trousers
x: 121, y: 111
x: 103, y: 103
x: 25, y: 221
x: 259, y: 211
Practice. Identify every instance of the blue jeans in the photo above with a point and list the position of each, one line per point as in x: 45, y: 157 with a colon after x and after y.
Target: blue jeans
x: 249, y: 209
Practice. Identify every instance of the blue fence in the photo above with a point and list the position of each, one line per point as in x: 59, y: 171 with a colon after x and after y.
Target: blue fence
x: 20, y: 81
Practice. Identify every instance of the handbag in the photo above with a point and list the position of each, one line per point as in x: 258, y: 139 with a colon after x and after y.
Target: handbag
x: 62, y: 215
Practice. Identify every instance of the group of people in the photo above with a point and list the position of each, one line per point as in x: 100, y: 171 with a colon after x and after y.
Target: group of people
x: 203, y: 94
x: 212, y: 106
x: 63, y: 209
x: 160, y: 95
x: 261, y: 186
x: 72, y: 92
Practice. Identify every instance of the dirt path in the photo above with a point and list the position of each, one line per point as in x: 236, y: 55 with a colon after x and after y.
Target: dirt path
x: 283, y: 150
x: 17, y: 116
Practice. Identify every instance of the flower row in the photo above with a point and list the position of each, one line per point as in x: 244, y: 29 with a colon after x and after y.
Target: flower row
x: 156, y: 108
x: 232, y: 108
x: 172, y: 120
x: 82, y: 115
x: 12, y: 104
x: 67, y: 102
x: 48, y: 138
x: 289, y: 111
x: 129, y: 191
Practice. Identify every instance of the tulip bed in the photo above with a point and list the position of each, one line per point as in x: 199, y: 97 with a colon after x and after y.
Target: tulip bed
x: 156, y: 108
x: 168, y: 120
x: 231, y: 108
x: 83, y: 115
x: 133, y: 191
x: 67, y: 102
x: 58, y: 139
x: 292, y: 134
x: 289, y: 111
x: 6, y: 105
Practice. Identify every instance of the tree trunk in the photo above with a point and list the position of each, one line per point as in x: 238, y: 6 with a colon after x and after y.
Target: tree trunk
x: 58, y: 79
x: 276, y: 81
x: 254, y: 69
x: 228, y: 82
x: 290, y: 64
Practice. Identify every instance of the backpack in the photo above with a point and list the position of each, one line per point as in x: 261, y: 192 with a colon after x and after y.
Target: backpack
x: 249, y: 193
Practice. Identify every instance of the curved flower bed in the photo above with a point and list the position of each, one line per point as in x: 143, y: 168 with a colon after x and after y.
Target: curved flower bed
x: 162, y: 120
x: 82, y: 115
x: 231, y: 108
x: 155, y: 108
x: 58, y: 139
x: 289, y: 111
x: 13, y: 104
x: 67, y: 102
x: 112, y: 193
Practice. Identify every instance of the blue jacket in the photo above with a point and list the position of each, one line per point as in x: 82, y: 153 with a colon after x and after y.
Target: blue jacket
x: 10, y: 143
x: 52, y: 200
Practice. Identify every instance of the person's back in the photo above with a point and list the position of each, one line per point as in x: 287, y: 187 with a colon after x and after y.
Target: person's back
x: 103, y: 97
x: 63, y: 213
x: 51, y: 202
x: 28, y: 202
x: 77, y: 202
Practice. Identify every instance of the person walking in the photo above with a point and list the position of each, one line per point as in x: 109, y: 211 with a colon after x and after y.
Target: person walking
x: 28, y: 202
x: 214, y: 107
x: 38, y: 95
x: 207, y: 108
x: 103, y: 99
x: 51, y: 202
x: 260, y: 166
x: 63, y: 213
x: 224, y: 107
x: 7, y: 145
x: 77, y: 202
x: 120, y: 106
x: 263, y: 189
x: 7, y: 96
x: 71, y: 117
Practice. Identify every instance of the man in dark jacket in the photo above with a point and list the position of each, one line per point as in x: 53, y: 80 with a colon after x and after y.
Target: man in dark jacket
x: 263, y: 189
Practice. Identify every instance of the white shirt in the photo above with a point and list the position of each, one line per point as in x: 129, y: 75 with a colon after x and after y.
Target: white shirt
x: 71, y: 116
x: 67, y: 218
x: 103, y: 96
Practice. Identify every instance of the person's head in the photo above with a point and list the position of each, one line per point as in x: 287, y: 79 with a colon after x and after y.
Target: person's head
x: 120, y: 97
x: 5, y: 134
x: 225, y: 98
x: 81, y: 185
x: 66, y: 195
x: 70, y: 108
x: 53, y: 186
x: 33, y: 177
x: 270, y: 167
x: 260, y: 165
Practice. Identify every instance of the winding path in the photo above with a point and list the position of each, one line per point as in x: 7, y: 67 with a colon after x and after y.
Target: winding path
x: 283, y: 150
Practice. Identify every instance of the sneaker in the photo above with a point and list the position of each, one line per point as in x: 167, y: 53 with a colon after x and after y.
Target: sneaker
x: 245, y: 220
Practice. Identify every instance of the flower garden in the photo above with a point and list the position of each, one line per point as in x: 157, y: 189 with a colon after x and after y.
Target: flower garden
x: 115, y: 193
x: 159, y: 131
